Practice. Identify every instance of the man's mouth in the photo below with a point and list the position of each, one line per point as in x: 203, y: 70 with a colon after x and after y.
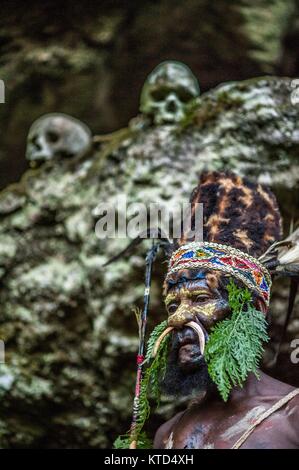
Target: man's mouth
x: 189, y: 354
x: 188, y: 344
x: 186, y: 371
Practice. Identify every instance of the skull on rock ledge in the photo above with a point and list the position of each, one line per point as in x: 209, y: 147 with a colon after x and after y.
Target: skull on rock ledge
x: 57, y: 135
x: 167, y: 92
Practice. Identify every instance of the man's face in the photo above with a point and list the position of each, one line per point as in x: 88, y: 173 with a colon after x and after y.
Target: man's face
x: 203, y: 301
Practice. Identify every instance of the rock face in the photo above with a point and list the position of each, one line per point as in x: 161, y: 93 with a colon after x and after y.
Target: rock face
x: 90, y: 59
x: 67, y: 322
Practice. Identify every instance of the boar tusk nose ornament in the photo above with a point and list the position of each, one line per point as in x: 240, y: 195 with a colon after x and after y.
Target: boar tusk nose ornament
x: 160, y: 339
x: 200, y: 333
x: 191, y: 324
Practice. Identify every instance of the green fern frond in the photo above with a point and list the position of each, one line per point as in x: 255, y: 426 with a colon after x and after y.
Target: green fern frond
x: 235, y: 346
x: 124, y: 441
x: 157, y: 331
x: 150, y: 387
x: 150, y: 384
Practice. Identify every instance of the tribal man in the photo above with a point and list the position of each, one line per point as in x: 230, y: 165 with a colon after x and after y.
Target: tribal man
x: 243, y: 407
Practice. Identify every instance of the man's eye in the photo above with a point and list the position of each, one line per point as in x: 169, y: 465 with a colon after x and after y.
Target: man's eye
x: 202, y: 298
x: 172, y: 308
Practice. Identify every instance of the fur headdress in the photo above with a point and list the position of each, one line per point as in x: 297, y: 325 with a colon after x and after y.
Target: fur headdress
x: 237, y: 212
x: 241, y: 221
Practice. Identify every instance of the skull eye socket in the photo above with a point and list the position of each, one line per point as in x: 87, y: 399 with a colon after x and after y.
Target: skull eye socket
x: 159, y: 94
x: 184, y: 95
x: 35, y: 142
x: 52, y: 137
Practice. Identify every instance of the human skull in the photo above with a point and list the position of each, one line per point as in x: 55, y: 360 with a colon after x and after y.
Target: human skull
x: 167, y: 92
x: 56, y: 135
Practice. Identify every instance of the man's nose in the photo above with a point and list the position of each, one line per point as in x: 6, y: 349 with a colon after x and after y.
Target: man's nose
x: 180, y: 317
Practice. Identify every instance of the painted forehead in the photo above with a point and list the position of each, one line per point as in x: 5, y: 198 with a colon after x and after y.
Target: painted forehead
x: 188, y: 278
x: 181, y: 277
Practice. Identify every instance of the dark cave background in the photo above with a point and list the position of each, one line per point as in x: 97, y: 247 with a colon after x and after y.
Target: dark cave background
x: 90, y: 59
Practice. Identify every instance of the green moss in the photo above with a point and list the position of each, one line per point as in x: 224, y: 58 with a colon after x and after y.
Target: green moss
x: 266, y: 23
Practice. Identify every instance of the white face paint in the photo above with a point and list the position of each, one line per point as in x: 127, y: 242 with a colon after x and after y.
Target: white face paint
x: 208, y: 446
x: 243, y: 424
x: 57, y: 135
x: 169, y: 442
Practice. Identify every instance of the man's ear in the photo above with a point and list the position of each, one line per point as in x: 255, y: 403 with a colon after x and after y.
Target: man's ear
x: 261, y: 306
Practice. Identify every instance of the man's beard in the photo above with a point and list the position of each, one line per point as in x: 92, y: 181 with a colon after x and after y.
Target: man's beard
x: 183, y: 381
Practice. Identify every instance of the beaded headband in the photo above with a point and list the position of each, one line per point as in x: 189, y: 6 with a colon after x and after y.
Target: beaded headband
x: 246, y: 268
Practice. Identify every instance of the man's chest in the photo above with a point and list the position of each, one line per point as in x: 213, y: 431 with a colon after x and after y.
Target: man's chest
x: 222, y: 432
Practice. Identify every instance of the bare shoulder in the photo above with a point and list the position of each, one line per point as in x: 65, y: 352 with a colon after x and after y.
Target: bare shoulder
x: 164, y: 431
x: 293, y: 413
x: 291, y: 428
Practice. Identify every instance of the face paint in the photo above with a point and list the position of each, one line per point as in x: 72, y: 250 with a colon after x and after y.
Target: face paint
x: 195, y: 300
x: 183, y: 292
x: 209, y: 310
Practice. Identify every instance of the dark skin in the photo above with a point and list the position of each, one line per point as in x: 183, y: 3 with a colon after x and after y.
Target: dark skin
x: 209, y: 422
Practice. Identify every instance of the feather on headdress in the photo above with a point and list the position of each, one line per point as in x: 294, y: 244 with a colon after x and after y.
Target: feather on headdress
x: 283, y: 257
